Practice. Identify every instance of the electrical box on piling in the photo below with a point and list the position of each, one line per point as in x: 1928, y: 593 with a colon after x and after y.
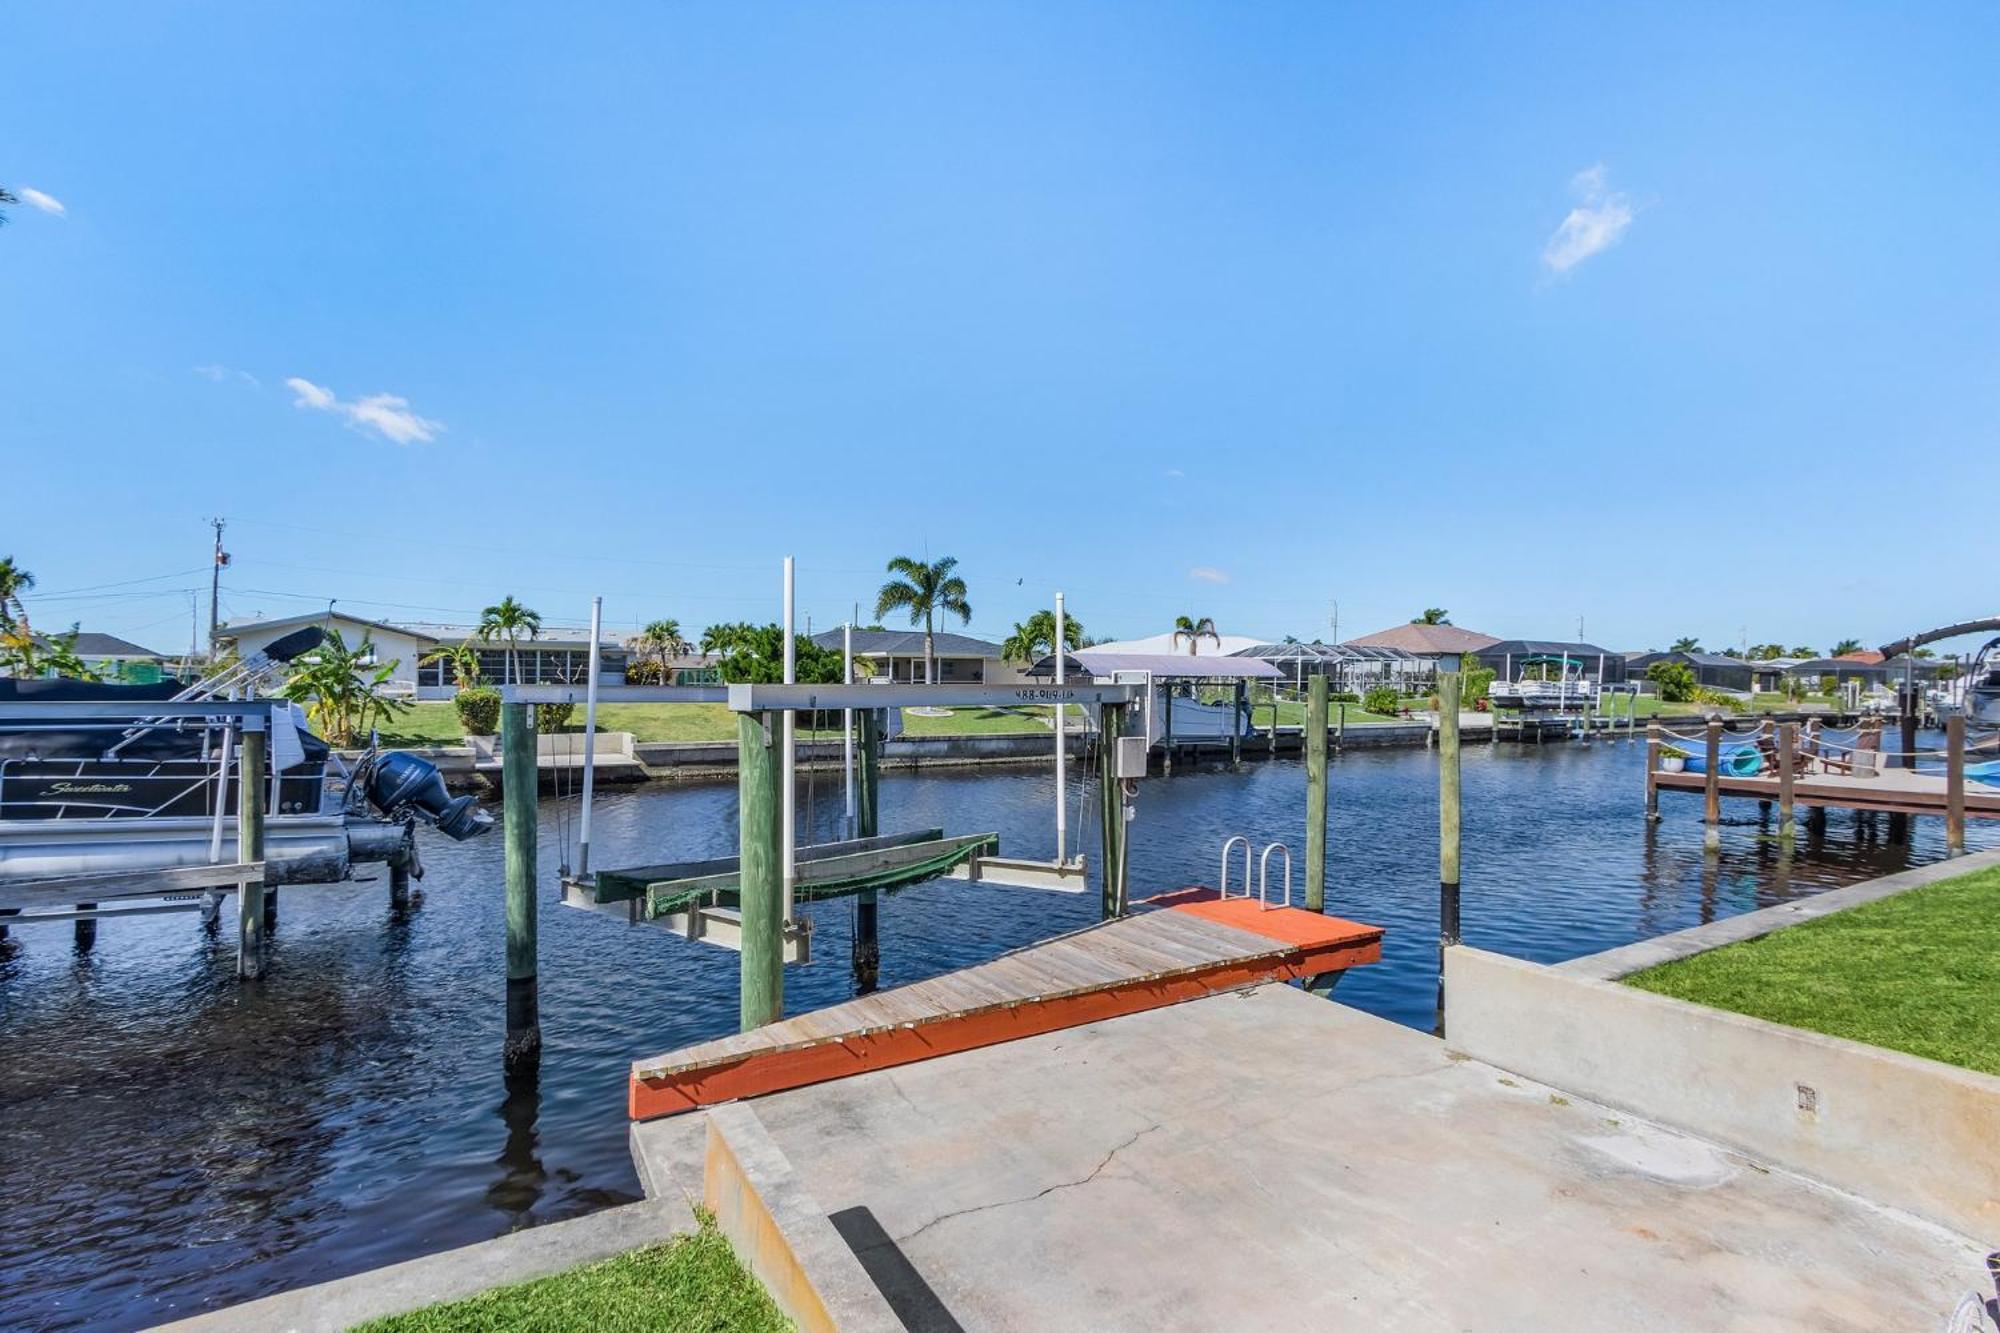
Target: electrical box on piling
x: 1130, y: 758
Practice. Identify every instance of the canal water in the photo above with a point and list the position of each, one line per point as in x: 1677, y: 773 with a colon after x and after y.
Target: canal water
x: 172, y: 1141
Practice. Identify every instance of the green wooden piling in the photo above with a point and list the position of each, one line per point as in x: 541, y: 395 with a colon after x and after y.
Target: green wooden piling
x: 867, y: 952
x: 1653, y: 739
x: 1711, y: 787
x: 1450, y: 692
x: 1111, y: 811
x: 249, y: 850
x: 1954, y: 785
x: 1316, y: 782
x: 758, y: 800
x: 1788, y: 766
x: 519, y: 793
x: 868, y: 774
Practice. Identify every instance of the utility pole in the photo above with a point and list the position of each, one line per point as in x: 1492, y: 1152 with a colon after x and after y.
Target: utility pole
x: 1336, y: 620
x: 215, y: 585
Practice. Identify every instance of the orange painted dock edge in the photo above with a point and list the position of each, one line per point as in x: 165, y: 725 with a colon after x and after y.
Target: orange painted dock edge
x: 1317, y: 944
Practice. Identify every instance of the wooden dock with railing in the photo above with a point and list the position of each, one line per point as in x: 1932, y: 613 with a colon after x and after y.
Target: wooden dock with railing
x: 1807, y: 766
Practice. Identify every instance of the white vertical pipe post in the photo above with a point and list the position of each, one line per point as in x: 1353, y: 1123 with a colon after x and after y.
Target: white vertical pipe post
x: 1062, y: 747
x: 221, y: 791
x: 589, y: 740
x: 847, y: 727
x: 788, y: 771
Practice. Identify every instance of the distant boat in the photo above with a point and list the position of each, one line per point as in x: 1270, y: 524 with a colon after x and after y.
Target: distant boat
x: 1546, y: 684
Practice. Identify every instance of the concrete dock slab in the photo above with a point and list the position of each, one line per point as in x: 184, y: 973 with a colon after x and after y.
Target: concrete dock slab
x: 1269, y: 1159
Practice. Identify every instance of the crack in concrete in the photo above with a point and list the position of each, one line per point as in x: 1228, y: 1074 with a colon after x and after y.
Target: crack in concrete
x: 1095, y: 1171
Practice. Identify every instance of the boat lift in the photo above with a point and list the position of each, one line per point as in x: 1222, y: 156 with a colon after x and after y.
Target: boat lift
x: 723, y: 900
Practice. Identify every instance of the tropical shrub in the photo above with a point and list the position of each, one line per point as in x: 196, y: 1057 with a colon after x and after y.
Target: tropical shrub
x: 1718, y: 699
x: 1675, y: 679
x: 1382, y: 699
x: 478, y: 710
x: 1478, y: 681
x: 755, y: 655
x: 341, y: 690
x: 1344, y: 697
x: 552, y: 717
x: 23, y: 654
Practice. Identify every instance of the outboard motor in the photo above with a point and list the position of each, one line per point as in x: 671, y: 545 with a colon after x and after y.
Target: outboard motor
x: 400, y: 784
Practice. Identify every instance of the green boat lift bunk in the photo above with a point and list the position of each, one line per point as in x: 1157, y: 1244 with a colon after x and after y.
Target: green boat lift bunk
x: 704, y: 900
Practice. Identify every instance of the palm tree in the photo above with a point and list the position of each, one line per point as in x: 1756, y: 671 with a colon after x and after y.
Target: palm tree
x: 6, y: 197
x: 1844, y: 647
x: 1194, y: 631
x: 462, y: 658
x: 1433, y: 615
x: 13, y: 582
x: 924, y: 589
x: 1687, y: 643
x: 661, y: 640
x: 507, y: 619
x: 1037, y: 634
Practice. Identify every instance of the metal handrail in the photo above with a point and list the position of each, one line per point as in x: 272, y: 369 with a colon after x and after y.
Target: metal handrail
x: 1222, y: 884
x: 1263, y: 875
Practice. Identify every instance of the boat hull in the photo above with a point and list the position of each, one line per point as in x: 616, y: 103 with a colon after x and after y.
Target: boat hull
x: 298, y: 849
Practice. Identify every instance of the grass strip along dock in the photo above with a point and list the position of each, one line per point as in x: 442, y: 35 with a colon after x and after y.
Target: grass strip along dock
x: 1915, y: 973
x: 692, y: 1284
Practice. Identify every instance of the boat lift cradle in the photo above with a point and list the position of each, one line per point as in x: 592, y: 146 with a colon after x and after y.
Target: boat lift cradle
x: 697, y: 899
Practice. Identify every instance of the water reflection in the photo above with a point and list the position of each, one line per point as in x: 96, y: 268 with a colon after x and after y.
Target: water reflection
x: 172, y: 1140
x: 518, y: 1188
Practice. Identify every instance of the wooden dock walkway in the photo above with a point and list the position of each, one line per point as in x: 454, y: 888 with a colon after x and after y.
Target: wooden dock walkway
x: 1894, y: 790
x: 1186, y: 945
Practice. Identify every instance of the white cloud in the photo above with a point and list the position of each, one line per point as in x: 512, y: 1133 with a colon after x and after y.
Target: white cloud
x: 386, y: 414
x: 48, y: 203
x: 1173, y: 474
x: 221, y: 374
x: 1593, y: 226
x: 310, y: 394
x: 1207, y: 574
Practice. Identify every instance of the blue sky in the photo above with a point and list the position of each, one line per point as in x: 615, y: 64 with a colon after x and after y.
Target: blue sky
x: 1660, y: 318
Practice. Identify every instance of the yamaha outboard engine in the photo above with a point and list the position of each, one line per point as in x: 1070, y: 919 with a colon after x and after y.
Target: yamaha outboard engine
x: 399, y: 784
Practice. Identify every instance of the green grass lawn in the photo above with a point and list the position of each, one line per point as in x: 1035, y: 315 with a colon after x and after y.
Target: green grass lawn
x: 1294, y: 714
x: 692, y: 1284
x: 435, y: 722
x: 1919, y: 972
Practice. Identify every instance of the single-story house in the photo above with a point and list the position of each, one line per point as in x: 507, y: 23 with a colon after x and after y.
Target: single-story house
x: 1867, y: 667
x: 1508, y: 656
x: 388, y: 643
x: 1715, y: 671
x: 1438, y: 647
x: 898, y: 656
x: 115, y: 658
x: 558, y: 658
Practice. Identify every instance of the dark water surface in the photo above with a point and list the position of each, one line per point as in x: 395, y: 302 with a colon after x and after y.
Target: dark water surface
x: 172, y: 1141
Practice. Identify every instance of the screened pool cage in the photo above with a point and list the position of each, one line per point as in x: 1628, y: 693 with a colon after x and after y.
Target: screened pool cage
x: 1349, y: 667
